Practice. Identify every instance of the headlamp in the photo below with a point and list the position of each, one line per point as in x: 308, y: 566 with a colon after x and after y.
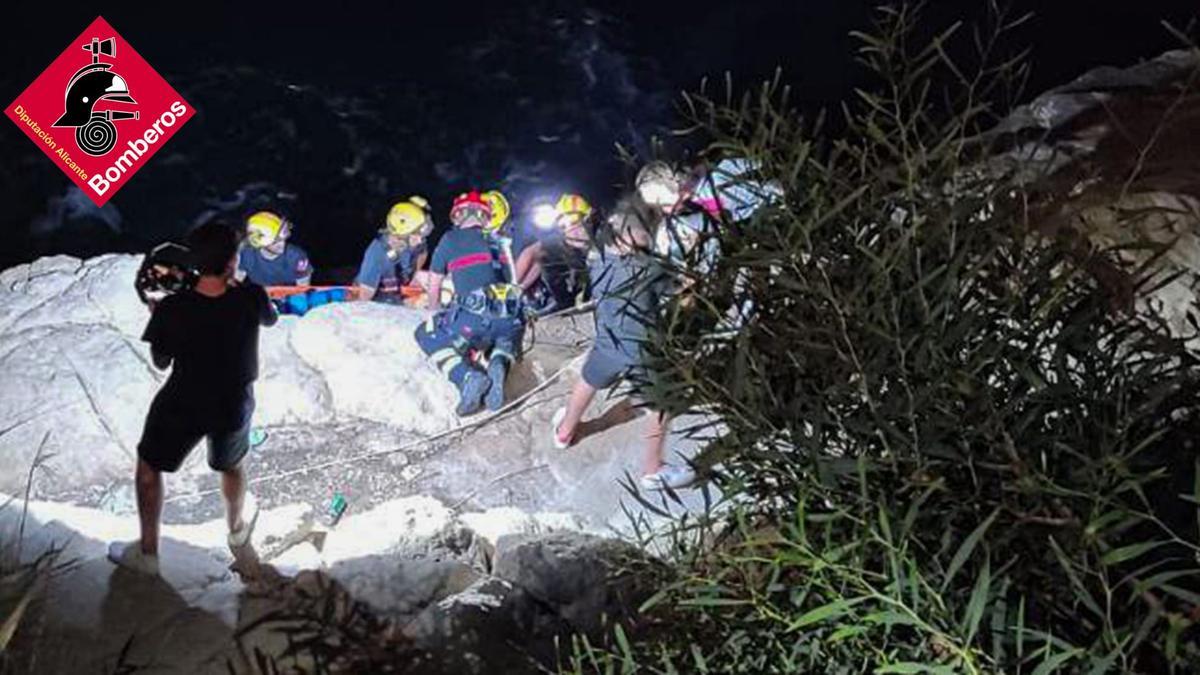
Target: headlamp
x: 544, y: 216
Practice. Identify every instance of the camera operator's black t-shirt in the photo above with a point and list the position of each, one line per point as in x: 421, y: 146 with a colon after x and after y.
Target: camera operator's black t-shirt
x: 213, y: 344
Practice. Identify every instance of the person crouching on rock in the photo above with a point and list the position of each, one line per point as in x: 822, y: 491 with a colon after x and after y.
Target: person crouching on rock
x: 209, y: 337
x: 485, y: 317
x: 553, y: 268
x: 270, y: 260
x: 394, y: 259
x: 626, y: 284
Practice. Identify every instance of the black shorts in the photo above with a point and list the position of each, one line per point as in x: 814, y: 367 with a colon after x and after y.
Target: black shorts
x: 170, y: 436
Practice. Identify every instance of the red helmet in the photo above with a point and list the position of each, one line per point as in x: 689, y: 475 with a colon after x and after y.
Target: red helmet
x: 470, y: 200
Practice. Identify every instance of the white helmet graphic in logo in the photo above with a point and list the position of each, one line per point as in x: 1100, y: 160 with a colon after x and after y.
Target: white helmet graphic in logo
x: 94, y: 130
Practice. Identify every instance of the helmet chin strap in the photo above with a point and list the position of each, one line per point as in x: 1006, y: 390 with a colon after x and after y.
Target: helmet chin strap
x: 396, y: 245
x: 270, y: 252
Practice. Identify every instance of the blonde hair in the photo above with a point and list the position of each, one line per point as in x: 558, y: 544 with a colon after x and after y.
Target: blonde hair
x: 657, y: 172
x: 659, y: 184
x: 631, y: 224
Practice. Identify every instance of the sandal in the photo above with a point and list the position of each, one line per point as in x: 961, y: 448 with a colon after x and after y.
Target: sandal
x: 555, y: 423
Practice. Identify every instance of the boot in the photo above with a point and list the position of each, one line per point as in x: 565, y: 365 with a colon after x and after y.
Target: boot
x: 474, y: 387
x: 497, y: 372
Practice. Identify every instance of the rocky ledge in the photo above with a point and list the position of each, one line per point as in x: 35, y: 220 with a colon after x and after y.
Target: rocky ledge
x: 483, y: 592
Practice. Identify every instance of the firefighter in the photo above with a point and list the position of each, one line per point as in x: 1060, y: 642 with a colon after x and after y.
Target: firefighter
x: 485, y: 319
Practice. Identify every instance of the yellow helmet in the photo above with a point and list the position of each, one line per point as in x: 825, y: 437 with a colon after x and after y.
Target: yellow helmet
x: 408, y: 217
x: 573, y: 206
x: 500, y: 210
x: 264, y: 228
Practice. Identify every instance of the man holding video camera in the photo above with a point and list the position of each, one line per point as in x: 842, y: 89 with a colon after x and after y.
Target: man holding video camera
x: 208, y: 334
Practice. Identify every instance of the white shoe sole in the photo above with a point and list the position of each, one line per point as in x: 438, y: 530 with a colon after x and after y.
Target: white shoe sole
x: 145, y: 564
x: 650, y: 484
x: 656, y: 483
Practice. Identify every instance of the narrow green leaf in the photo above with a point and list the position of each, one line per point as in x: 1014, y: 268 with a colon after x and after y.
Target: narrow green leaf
x: 1120, y: 555
x: 1143, y: 629
x: 978, y: 602
x: 653, y: 601
x: 1175, y: 626
x: 1104, y: 666
x: 890, y: 618
x: 9, y: 627
x: 1150, y: 583
x: 846, y: 632
x: 1053, y: 663
x: 1100, y: 523
x: 823, y: 613
x: 1082, y: 592
x: 1187, y: 596
x: 914, y: 508
x: 967, y: 547
x: 910, y: 667
x: 1021, y: 629
x: 904, y: 668
x: 623, y: 642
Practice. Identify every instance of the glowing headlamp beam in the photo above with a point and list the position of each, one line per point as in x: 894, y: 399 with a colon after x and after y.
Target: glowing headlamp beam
x: 544, y: 216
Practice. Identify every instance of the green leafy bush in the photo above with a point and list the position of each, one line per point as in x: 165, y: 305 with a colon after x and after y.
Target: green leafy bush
x: 941, y: 447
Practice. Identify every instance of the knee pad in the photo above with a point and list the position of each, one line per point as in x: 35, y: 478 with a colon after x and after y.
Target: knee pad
x: 500, y: 353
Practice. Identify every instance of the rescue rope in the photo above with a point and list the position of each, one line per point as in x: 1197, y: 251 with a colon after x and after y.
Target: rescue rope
x: 462, y: 428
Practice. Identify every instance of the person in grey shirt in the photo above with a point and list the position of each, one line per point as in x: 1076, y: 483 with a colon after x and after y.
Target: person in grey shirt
x: 627, y: 285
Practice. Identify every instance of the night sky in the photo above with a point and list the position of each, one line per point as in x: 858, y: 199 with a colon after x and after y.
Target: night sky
x: 528, y: 95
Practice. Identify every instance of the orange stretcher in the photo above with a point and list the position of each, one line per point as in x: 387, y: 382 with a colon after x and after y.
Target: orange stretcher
x: 413, y: 295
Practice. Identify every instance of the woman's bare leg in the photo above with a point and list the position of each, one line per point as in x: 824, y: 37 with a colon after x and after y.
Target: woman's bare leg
x: 658, y: 428
x: 581, y: 397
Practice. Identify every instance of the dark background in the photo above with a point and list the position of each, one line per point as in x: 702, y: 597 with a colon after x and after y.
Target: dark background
x: 331, y: 111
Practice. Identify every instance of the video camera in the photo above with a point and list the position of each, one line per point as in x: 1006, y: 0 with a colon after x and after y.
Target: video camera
x: 167, y: 270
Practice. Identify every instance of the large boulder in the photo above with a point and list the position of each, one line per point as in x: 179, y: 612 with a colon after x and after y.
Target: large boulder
x: 1113, y: 158
x: 586, y: 580
x: 400, y: 587
x: 78, y: 380
x: 490, y: 627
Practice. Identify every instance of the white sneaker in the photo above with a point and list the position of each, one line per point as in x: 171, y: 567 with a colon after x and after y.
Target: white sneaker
x: 672, y: 477
x: 129, y: 555
x: 555, y: 423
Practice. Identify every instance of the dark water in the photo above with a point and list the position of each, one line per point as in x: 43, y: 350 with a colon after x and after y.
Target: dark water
x: 330, y: 112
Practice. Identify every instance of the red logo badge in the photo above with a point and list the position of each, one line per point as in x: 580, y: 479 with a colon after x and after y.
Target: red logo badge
x: 99, y: 112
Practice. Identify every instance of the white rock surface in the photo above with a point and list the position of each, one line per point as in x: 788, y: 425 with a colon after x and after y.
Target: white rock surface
x: 1165, y: 219
x: 338, y: 387
x: 505, y: 520
x: 77, y: 374
x: 185, y: 622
